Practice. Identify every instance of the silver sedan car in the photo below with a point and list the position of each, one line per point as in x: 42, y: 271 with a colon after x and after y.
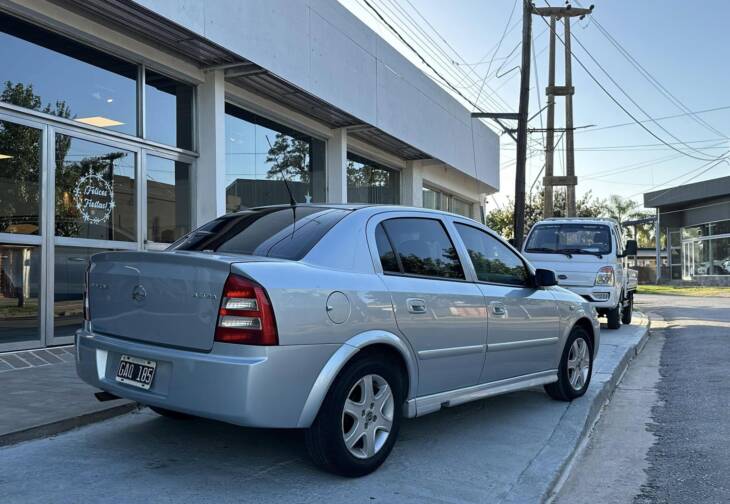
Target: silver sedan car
x: 337, y: 319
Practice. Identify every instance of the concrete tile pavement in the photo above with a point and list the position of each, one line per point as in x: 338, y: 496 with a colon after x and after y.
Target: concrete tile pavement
x: 40, y: 397
x: 511, y: 448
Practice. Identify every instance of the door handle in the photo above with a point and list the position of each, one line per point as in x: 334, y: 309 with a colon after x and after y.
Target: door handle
x: 416, y: 305
x: 498, y: 308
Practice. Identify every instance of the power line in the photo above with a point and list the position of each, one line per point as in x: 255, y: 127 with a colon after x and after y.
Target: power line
x: 712, y: 164
x: 662, y: 118
x: 499, y: 45
x: 621, y: 106
x: 650, y: 78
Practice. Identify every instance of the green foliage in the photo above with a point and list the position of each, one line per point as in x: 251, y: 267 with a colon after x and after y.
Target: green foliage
x: 501, y: 219
x: 290, y: 158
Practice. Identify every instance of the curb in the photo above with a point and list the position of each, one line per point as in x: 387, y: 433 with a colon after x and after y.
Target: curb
x: 66, y: 424
x: 546, y: 473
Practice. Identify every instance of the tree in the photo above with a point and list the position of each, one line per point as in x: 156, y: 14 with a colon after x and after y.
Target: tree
x: 501, y: 219
x: 20, y: 200
x: 290, y: 158
x: 623, y: 209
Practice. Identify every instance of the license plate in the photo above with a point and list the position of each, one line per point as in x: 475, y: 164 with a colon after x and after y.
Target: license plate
x: 136, y: 372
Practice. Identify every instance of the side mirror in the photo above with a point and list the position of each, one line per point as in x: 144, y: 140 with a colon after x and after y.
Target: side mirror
x: 545, y: 278
x: 631, y: 248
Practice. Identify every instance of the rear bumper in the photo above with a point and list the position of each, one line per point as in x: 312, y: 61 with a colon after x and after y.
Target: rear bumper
x: 240, y: 384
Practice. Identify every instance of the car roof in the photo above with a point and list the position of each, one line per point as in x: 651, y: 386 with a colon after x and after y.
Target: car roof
x: 578, y: 220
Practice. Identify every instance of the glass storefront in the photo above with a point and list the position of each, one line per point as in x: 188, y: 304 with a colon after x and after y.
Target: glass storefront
x: 20, y: 178
x: 439, y: 200
x: 370, y: 182
x: 70, y: 185
x: 169, y: 105
x: 20, y: 285
x: 95, y: 190
x: 706, y: 249
x: 261, y: 155
x: 50, y: 73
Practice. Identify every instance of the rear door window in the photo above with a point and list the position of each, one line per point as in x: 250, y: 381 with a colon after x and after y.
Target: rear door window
x: 282, y: 232
x: 422, y: 248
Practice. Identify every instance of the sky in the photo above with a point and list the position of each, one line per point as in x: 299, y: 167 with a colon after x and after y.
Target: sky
x: 683, y: 45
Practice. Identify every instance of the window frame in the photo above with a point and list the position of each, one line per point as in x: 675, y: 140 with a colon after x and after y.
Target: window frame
x: 363, y: 160
x: 529, y: 283
x: 402, y: 273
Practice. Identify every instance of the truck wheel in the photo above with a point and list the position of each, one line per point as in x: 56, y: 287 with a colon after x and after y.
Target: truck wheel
x: 614, y: 316
x: 576, y: 367
x: 358, y: 422
x: 628, y: 311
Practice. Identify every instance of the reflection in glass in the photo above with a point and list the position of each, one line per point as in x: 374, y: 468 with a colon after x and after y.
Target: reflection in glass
x: 433, y: 199
x: 369, y: 182
x: 20, y: 277
x: 423, y: 247
x: 492, y: 260
x: 168, y: 199
x: 50, y: 73
x: 168, y: 111
x: 260, y: 154
x: 20, y: 176
x: 460, y: 207
x: 69, y: 272
x: 95, y: 190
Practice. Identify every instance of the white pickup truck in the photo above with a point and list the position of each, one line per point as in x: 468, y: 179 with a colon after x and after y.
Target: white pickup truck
x: 588, y: 258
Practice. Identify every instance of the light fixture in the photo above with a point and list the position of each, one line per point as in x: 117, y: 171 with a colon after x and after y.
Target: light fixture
x: 101, y: 122
x: 5, y: 156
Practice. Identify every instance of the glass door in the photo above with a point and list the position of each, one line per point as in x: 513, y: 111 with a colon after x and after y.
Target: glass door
x: 688, y: 260
x: 22, y: 203
x: 96, y: 192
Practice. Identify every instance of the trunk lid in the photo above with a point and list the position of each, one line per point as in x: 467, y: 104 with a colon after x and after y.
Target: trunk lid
x: 164, y: 298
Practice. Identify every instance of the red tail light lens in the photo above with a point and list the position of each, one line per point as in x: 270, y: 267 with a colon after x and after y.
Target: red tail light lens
x: 246, y: 315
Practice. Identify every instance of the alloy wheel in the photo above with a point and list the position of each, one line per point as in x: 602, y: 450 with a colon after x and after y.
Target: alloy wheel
x: 367, y: 416
x: 579, y: 363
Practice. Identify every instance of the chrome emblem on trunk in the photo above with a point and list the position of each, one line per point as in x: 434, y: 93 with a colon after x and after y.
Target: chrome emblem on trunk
x: 139, y: 293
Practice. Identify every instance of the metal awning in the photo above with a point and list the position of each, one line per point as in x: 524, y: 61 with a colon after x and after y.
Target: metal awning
x: 132, y: 19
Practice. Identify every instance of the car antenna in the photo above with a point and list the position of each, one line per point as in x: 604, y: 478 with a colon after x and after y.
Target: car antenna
x: 292, y: 201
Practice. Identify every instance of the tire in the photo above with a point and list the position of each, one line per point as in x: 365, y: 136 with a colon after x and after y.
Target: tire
x: 614, y: 316
x: 628, y: 311
x: 348, y: 413
x: 177, y: 415
x: 571, y: 385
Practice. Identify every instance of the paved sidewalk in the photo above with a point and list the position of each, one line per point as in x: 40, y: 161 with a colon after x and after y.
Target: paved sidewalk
x: 40, y: 396
x: 507, y: 449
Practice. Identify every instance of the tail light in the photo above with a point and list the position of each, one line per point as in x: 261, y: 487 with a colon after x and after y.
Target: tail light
x: 246, y: 315
x: 87, y: 314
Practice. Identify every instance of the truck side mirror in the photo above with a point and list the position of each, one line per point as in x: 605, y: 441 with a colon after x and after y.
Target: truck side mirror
x: 631, y: 248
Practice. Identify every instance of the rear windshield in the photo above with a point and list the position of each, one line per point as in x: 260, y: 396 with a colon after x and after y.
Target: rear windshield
x: 570, y: 238
x: 270, y: 232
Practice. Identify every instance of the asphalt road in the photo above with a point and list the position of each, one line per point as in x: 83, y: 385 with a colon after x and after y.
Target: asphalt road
x: 665, y: 436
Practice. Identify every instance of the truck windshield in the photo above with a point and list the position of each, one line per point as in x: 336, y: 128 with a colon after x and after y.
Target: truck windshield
x: 282, y: 232
x: 570, y: 238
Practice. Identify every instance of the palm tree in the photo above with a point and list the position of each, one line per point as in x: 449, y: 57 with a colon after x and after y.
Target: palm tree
x: 623, y: 209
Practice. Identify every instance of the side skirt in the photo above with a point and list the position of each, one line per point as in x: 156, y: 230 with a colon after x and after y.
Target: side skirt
x: 424, y: 405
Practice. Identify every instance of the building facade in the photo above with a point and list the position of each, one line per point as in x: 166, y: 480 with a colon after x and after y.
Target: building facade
x: 694, y: 220
x: 124, y: 125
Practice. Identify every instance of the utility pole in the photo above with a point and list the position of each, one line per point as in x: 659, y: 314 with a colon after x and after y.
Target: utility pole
x: 569, y: 180
x: 519, y: 217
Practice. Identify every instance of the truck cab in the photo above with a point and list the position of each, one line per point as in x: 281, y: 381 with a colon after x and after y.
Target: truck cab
x: 588, y: 258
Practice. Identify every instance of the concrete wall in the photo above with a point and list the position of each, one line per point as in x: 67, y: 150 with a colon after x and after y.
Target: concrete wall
x: 319, y: 46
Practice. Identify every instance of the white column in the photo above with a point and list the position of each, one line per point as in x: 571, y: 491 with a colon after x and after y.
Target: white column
x: 337, y: 166
x: 210, y: 189
x: 411, y: 184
